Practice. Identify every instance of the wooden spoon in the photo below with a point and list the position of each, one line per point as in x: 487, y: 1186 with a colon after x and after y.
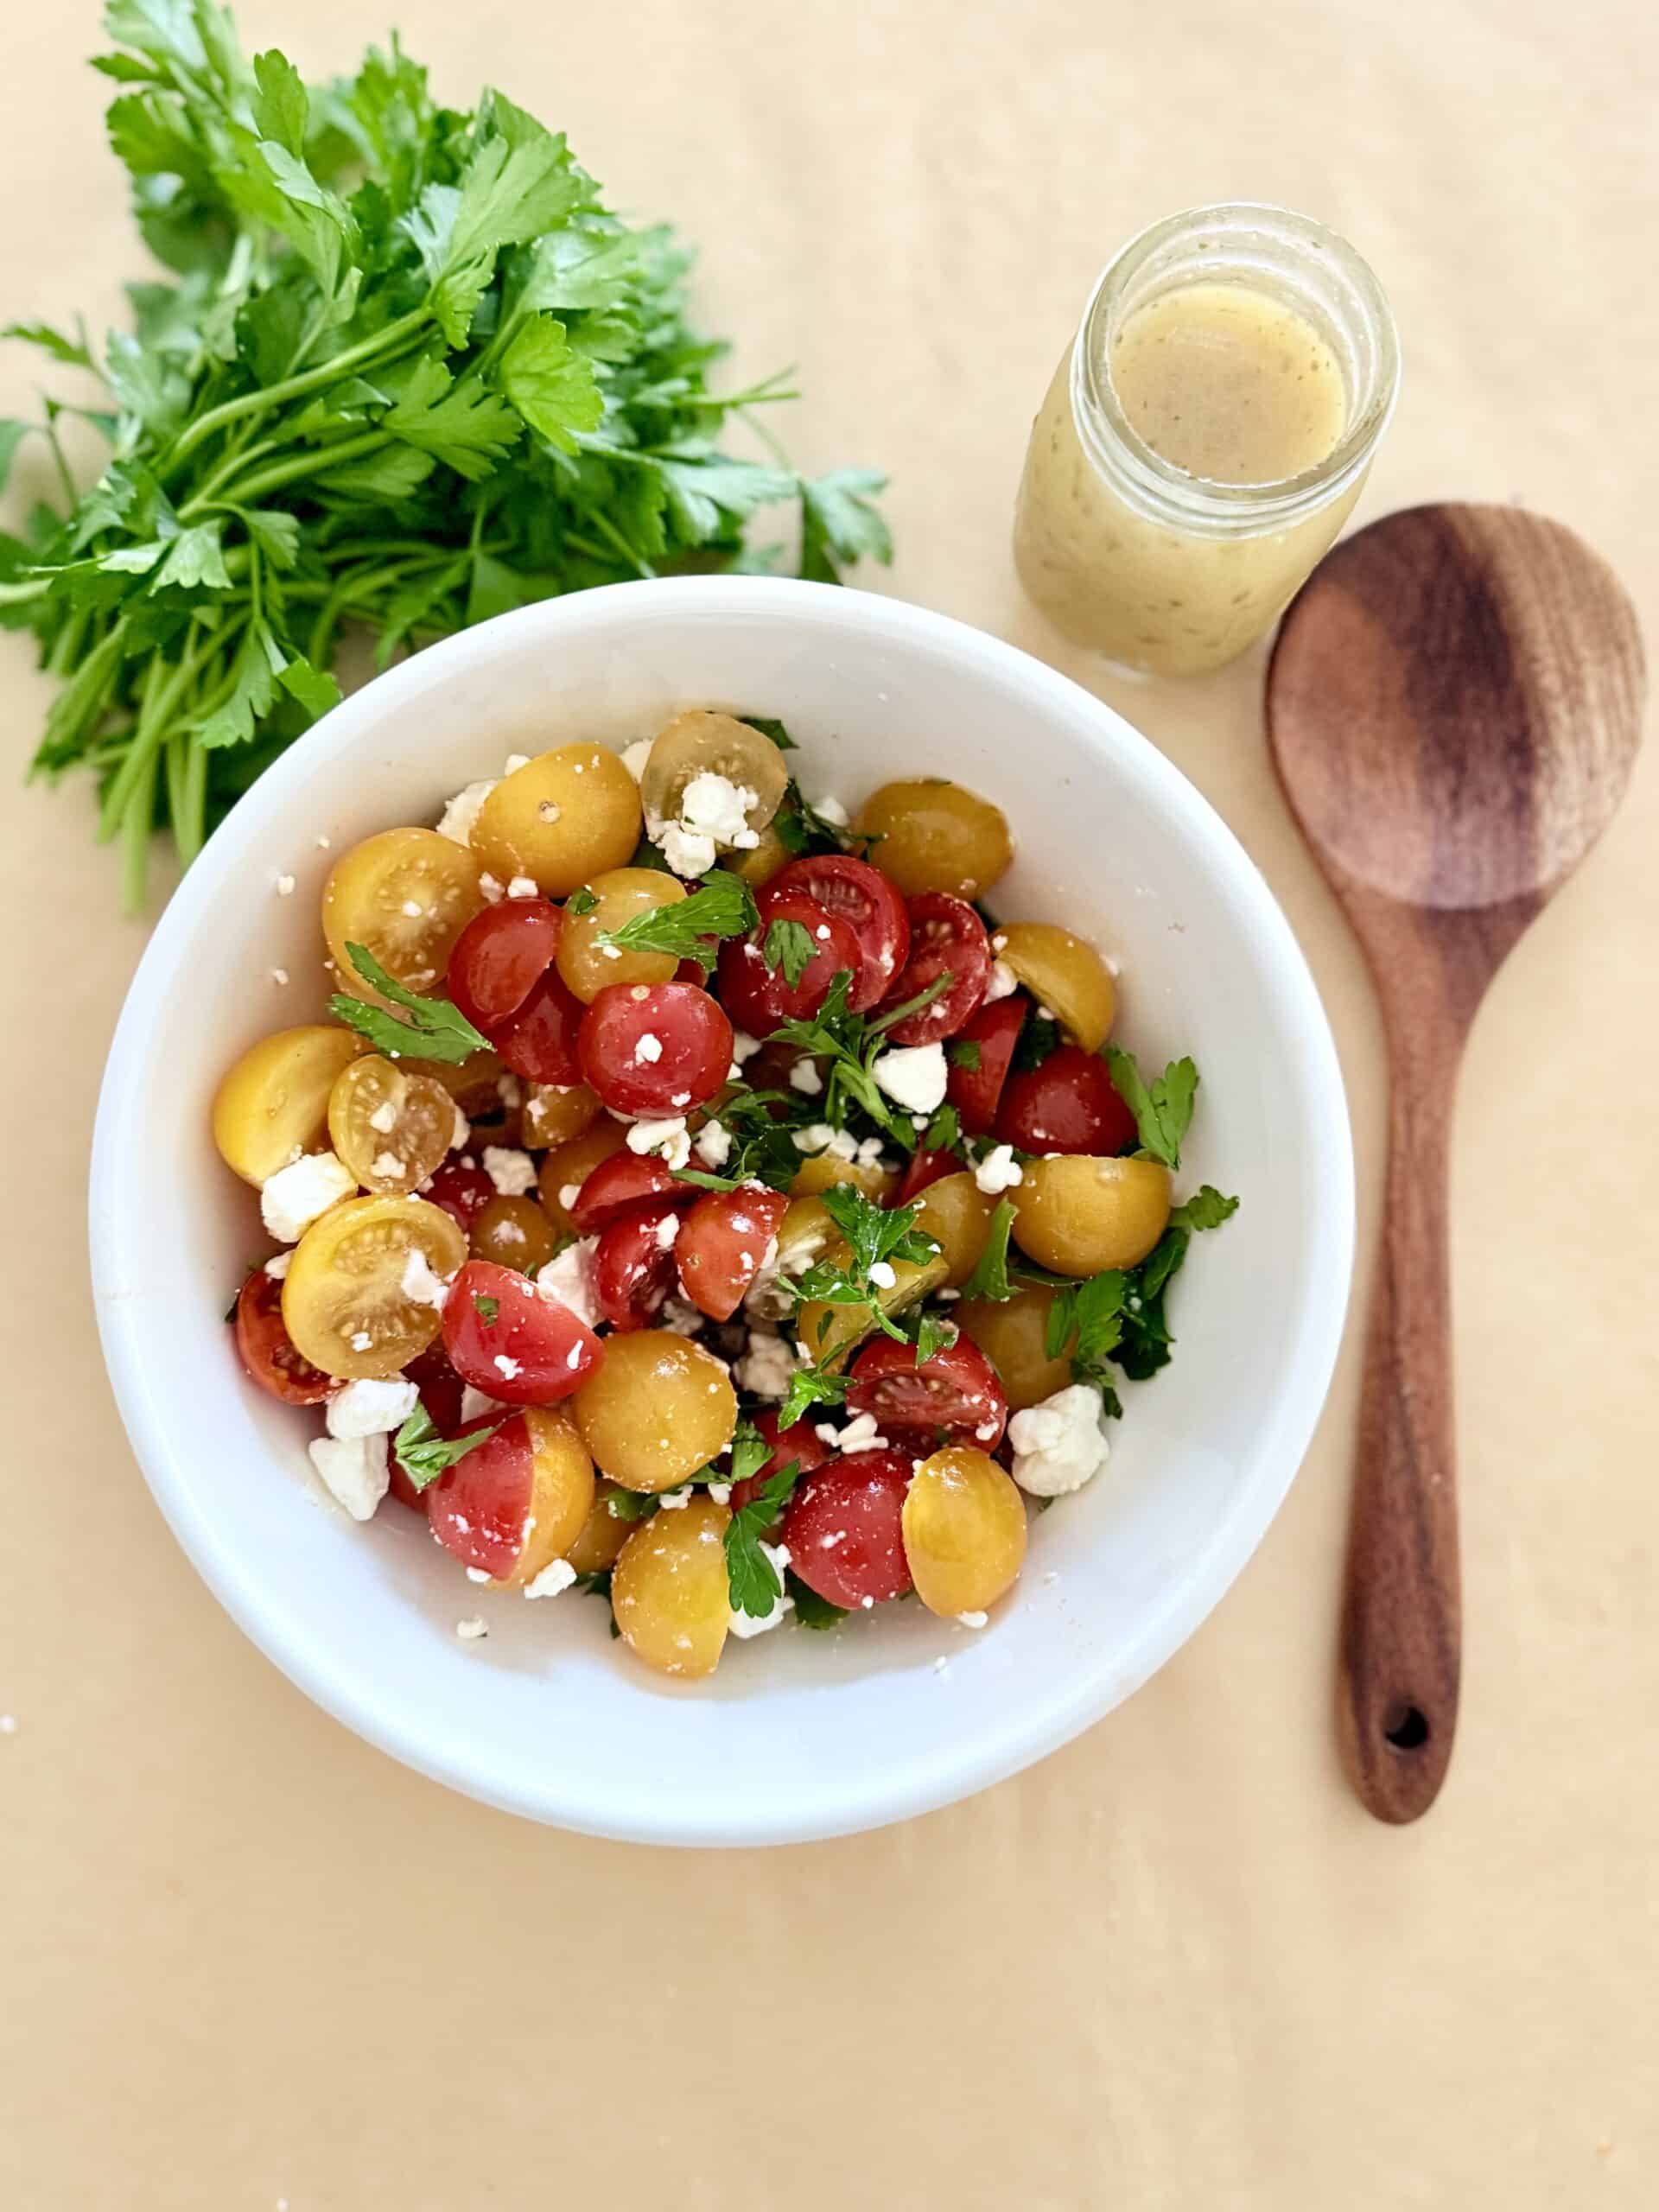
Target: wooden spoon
x: 1454, y: 704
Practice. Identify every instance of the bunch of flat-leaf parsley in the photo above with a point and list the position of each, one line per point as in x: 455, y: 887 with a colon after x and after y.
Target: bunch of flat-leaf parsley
x: 408, y: 372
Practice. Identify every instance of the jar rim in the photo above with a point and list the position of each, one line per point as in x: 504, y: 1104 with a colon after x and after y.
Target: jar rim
x: 1172, y: 494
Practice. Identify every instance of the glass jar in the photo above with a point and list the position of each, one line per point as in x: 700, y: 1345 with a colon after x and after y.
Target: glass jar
x: 1126, y: 550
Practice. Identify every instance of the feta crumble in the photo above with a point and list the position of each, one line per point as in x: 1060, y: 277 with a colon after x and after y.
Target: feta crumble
x: 635, y: 756
x: 512, y: 1172
x: 1060, y: 1445
x: 862, y: 1433
x: 883, y: 1275
x: 679, y: 1315
x: 667, y: 1137
x: 300, y: 1193
x: 832, y: 810
x: 371, y: 1407
x: 470, y: 1630
x: 744, y: 1047
x: 420, y: 1285
x: 914, y: 1076
x: 558, y: 1574
x: 475, y: 1404
x: 713, y: 1145
x: 973, y: 1620
x: 767, y: 1367
x: 277, y: 1265
x: 1003, y: 984
x: 523, y: 887
x: 355, y: 1471
x: 649, y: 1049
x: 284, y: 886
x: 818, y: 1137
x: 805, y: 1076
x: 461, y: 814
x: 566, y: 1278
x: 999, y: 1170
x: 675, y: 1501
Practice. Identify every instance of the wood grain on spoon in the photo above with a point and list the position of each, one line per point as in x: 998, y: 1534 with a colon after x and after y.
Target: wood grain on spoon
x: 1454, y: 703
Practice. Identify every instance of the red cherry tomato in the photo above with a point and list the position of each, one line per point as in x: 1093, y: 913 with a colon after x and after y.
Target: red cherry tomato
x: 924, y: 1168
x: 654, y: 1048
x: 522, y: 1347
x: 441, y: 1389
x: 723, y: 1242
x: 268, y: 1352
x: 758, y: 997
x: 622, y: 1181
x: 633, y: 1263
x: 1069, y: 1104
x: 864, y: 899
x: 994, y: 1032
x: 499, y: 956
x: 955, y: 1392
x: 462, y: 1191
x: 801, y: 1445
x: 947, y: 940
x: 539, y: 1041
x: 477, y: 1508
x: 845, y: 1532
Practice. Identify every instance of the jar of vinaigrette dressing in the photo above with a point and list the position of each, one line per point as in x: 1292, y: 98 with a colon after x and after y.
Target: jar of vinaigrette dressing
x: 1205, y: 436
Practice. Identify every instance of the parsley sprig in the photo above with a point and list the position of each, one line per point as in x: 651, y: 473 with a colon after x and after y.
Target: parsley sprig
x: 875, y: 1236
x: 1162, y: 1109
x: 723, y: 906
x: 789, y: 946
x: 850, y: 1044
x: 423, y: 1454
x: 434, y: 1029
x: 751, y: 1576
x: 403, y: 369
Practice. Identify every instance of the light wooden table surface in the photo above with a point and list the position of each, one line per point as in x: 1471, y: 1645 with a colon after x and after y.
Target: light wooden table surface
x: 244, y: 1960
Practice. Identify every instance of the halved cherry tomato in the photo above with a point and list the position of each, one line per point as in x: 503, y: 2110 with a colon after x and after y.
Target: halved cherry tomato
x: 503, y: 1336
x: 620, y: 1182
x: 759, y: 997
x: 654, y: 1048
x: 539, y: 1041
x: 801, y: 1446
x: 513, y: 1504
x: 924, y: 1168
x: 441, y: 1389
x: 268, y: 1352
x: 947, y: 940
x: 633, y: 1263
x: 500, y: 956
x: 462, y: 1191
x: 957, y: 1392
x: 845, y: 1532
x: 864, y: 899
x: 1069, y: 1104
x: 723, y: 1241
x: 974, y: 1091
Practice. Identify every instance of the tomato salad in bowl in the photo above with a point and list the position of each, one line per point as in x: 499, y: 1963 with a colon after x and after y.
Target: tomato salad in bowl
x: 702, y: 1200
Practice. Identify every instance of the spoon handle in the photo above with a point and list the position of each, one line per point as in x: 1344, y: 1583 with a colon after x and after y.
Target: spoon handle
x: 1402, y: 1615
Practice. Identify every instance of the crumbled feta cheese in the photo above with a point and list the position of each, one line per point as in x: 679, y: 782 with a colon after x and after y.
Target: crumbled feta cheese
x: 718, y: 808
x: 470, y: 1630
x: 682, y: 1317
x: 568, y: 1193
x: 324, y: 842
x: 744, y: 1625
x: 512, y: 1172
x: 1003, y: 984
x: 648, y: 1049
x: 713, y: 1145
x: 869, y: 1153
x: 388, y: 1166
x: 973, y: 1620
x: 566, y: 1278
x: 883, y: 1275
x: 284, y: 886
x: 511, y: 1091
x: 523, y: 887
x: 276, y: 1265
x: 687, y: 851
x: 480, y: 1574
x: 667, y: 1137
x: 675, y: 1501
x: 355, y: 1471
x: 279, y: 976
x: 475, y: 1405
x: 914, y: 1076
x: 460, y: 1135
x: 818, y: 1137
x: 805, y: 1076
x: 721, y: 1493
x: 420, y: 1284
x: 383, y: 1120
x: 494, y: 891
x: 862, y: 1434
x: 558, y: 1574
x: 507, y: 1368
x: 296, y: 1195
x: 744, y: 1047
x: 635, y: 756
x: 832, y: 810
x: 999, y: 1170
x: 461, y: 812
x: 371, y: 1407
x: 666, y: 1230
x: 767, y: 1368
x: 1060, y: 1445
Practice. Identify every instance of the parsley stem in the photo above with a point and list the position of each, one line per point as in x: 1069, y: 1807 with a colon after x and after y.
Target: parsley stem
x: 381, y: 346
x: 314, y: 461
x: 136, y: 822
x: 156, y: 704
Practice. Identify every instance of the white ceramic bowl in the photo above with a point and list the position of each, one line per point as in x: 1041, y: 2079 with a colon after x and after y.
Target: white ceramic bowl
x: 799, y: 1735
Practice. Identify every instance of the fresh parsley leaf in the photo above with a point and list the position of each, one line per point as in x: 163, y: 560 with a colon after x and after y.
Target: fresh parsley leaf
x: 840, y: 524
x: 751, y: 1576
x: 811, y: 1610
x: 1205, y: 1209
x: 436, y: 1030
x: 488, y: 1311
x: 964, y: 1052
x: 810, y: 1387
x: 775, y: 730
x: 933, y: 1333
x: 1038, y: 1037
x: 631, y: 1505
x: 723, y: 907
x: 580, y: 901
x: 1163, y: 1108
x: 423, y: 1454
x: 989, y: 1278
x: 750, y: 1451
x: 1089, y: 1316
x: 789, y: 945
x: 876, y: 1236
x: 944, y: 1132
x: 1147, y: 1337
x: 801, y: 829
x: 597, y: 1585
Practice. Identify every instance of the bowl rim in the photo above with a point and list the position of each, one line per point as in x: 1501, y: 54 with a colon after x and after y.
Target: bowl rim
x: 1050, y: 1718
